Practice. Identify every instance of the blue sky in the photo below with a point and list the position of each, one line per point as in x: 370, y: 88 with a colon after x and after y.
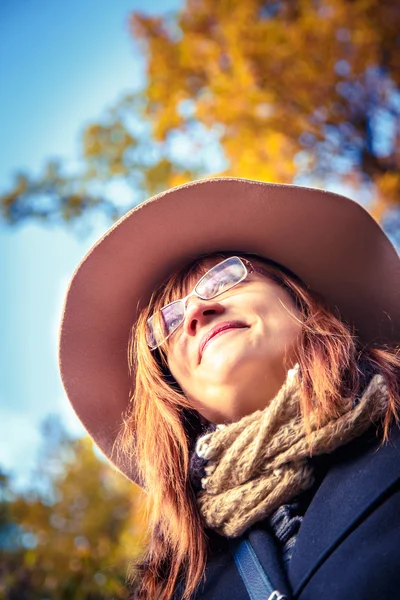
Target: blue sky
x: 61, y: 65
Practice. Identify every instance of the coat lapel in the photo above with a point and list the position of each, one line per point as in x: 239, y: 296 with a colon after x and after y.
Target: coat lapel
x: 360, y: 473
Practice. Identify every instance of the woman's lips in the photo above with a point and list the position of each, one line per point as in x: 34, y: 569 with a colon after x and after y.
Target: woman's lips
x: 217, y: 329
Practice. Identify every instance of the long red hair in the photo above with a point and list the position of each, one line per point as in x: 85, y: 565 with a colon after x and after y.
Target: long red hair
x: 161, y: 425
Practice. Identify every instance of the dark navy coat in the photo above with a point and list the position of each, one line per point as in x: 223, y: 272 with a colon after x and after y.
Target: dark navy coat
x: 348, y: 545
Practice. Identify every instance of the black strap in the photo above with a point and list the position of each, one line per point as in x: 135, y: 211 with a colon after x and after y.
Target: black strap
x: 255, y: 579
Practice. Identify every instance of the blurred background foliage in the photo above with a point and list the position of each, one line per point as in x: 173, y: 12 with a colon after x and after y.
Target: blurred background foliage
x: 279, y: 90
x: 75, y: 533
x: 269, y: 90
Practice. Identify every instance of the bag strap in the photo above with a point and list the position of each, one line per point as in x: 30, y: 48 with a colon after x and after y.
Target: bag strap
x: 255, y: 579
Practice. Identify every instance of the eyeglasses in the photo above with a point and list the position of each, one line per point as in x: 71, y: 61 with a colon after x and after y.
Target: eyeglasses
x: 219, y: 279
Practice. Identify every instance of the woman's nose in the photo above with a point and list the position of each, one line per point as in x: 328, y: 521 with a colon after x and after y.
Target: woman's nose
x: 199, y: 312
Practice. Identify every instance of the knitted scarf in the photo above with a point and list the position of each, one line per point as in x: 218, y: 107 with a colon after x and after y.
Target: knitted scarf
x: 256, y: 464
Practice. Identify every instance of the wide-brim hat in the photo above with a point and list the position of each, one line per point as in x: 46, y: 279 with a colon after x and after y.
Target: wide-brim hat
x: 331, y: 242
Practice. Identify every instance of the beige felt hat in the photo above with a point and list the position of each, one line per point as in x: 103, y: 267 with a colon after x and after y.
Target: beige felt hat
x: 329, y: 241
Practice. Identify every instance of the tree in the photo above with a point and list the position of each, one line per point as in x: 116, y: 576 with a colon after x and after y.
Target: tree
x: 309, y: 86
x: 120, y: 158
x: 75, y: 534
x: 265, y: 89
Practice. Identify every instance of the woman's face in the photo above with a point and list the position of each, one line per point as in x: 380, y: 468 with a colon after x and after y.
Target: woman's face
x: 242, y: 368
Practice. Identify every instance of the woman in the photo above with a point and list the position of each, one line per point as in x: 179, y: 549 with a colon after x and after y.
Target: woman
x: 259, y: 410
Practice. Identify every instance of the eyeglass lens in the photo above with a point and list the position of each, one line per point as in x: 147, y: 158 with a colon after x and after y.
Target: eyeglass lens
x: 217, y: 280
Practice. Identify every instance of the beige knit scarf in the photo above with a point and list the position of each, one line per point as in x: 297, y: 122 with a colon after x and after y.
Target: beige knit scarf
x: 260, y: 462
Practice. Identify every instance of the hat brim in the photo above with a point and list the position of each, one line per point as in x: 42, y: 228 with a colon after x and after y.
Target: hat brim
x: 331, y: 242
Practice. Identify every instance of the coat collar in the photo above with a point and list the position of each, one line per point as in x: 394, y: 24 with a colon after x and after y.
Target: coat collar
x: 360, y: 473
x: 266, y: 548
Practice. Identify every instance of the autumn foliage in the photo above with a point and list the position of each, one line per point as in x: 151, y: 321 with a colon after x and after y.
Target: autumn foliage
x: 74, y: 534
x: 279, y: 90
x: 293, y: 87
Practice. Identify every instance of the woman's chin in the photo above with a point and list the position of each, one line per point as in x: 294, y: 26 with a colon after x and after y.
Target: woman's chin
x: 223, y: 367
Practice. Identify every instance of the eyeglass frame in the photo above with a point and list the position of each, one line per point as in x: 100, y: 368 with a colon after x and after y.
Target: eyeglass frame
x: 249, y: 267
